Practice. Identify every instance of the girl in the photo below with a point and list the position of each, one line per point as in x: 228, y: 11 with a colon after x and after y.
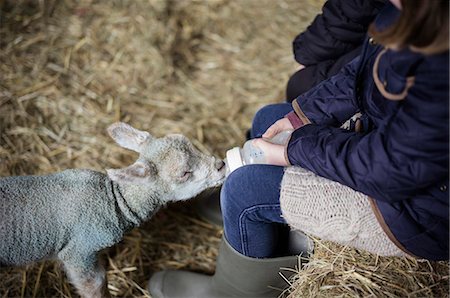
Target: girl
x: 396, y: 154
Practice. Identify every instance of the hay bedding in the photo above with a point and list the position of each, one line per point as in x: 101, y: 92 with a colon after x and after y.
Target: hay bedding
x: 202, y: 68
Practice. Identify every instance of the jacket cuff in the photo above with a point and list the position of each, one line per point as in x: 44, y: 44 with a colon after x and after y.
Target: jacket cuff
x: 298, y: 111
x: 294, y: 119
x: 286, y: 156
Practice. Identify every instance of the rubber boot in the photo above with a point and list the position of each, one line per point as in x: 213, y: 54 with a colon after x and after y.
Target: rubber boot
x: 299, y: 243
x: 208, y: 207
x: 236, y: 276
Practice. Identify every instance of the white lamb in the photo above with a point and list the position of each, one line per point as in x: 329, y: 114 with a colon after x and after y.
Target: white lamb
x: 74, y: 214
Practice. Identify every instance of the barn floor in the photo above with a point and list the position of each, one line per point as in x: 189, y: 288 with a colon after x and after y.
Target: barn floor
x: 70, y: 68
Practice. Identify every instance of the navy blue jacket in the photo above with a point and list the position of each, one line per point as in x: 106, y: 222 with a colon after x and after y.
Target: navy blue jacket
x: 338, y: 30
x: 400, y: 156
x: 332, y: 40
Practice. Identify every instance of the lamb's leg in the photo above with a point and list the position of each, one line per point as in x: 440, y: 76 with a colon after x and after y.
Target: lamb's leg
x: 87, y: 276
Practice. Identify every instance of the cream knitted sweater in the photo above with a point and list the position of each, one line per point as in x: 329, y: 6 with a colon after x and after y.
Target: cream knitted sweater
x: 332, y: 211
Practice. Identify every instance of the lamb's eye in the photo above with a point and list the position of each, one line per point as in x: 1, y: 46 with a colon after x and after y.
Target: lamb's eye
x: 186, y: 175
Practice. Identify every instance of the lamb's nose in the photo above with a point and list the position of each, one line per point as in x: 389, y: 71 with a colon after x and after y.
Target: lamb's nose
x: 219, y: 164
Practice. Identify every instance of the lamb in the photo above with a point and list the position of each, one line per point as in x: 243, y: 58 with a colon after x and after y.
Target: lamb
x: 72, y: 215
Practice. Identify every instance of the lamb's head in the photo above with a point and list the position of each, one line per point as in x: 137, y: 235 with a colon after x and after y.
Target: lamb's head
x: 171, y: 163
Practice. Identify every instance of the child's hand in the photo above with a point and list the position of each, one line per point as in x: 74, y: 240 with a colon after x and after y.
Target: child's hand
x: 274, y: 153
x: 277, y: 127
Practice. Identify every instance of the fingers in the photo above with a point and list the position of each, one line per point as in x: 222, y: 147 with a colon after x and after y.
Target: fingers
x: 272, y: 130
x: 274, y: 154
x: 277, y: 127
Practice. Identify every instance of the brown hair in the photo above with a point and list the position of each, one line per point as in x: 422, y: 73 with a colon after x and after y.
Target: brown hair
x: 423, y: 25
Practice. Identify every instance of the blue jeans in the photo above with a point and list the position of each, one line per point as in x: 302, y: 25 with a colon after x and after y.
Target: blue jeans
x: 250, y: 199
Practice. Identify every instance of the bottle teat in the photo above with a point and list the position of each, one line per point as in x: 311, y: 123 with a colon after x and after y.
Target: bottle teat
x: 234, y: 159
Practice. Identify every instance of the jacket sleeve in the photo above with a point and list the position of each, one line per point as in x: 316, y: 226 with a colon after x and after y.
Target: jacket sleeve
x: 331, y: 102
x: 340, y: 28
x: 393, y: 162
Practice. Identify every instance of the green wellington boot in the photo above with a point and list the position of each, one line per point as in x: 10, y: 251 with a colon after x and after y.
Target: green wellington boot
x: 236, y: 276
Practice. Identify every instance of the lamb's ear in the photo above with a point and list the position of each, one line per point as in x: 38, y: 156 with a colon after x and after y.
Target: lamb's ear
x: 128, y: 137
x: 139, y: 172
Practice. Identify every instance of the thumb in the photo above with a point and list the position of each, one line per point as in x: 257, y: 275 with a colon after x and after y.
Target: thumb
x: 271, y: 131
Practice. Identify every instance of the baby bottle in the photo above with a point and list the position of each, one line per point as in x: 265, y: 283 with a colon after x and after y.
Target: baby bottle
x: 250, y: 154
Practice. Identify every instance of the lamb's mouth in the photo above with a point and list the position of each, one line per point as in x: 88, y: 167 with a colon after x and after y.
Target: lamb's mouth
x: 218, y: 182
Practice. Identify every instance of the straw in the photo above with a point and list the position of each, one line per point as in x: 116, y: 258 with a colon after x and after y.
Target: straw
x: 68, y: 69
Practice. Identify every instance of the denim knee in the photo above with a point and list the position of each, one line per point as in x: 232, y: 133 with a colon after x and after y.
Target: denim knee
x: 267, y: 116
x: 253, y: 188
x: 250, y: 185
x: 233, y: 195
